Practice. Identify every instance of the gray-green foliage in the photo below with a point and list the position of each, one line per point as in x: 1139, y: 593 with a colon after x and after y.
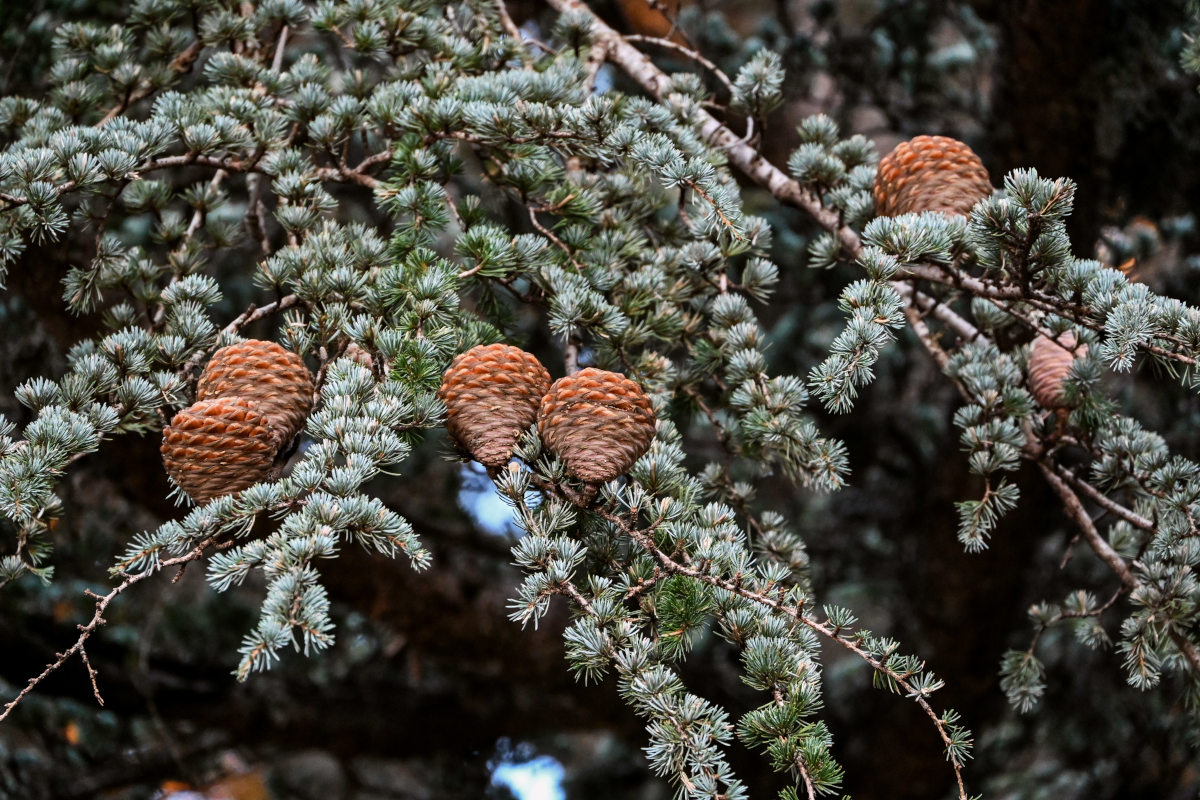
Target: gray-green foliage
x: 196, y: 150
x: 1007, y: 273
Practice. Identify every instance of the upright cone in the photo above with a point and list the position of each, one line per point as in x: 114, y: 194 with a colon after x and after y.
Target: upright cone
x: 930, y: 173
x: 597, y: 422
x: 274, y: 379
x: 491, y: 394
x: 219, y: 446
x: 1049, y: 363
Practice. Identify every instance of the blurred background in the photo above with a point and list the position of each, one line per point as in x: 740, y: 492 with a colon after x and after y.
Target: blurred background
x: 431, y: 693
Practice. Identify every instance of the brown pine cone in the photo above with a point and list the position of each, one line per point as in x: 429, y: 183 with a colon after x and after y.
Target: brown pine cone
x: 597, y: 422
x: 219, y: 446
x: 1049, y: 363
x: 275, y: 379
x: 930, y: 173
x: 491, y: 394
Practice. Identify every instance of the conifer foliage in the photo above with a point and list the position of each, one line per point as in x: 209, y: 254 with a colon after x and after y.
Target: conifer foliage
x: 205, y: 148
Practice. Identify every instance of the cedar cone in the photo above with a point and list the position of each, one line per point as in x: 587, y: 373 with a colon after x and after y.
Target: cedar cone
x: 598, y: 422
x: 1049, y: 362
x: 274, y: 379
x: 219, y: 446
x: 930, y: 173
x: 491, y: 394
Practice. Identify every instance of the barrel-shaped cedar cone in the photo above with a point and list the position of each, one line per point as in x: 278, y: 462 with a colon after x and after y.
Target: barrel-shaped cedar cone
x: 274, y: 379
x: 597, y: 422
x: 1049, y: 363
x: 491, y: 394
x: 930, y: 173
x: 219, y: 446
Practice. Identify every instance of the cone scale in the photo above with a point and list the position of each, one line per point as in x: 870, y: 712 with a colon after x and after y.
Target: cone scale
x: 274, y: 379
x: 597, y: 422
x: 219, y: 446
x: 1049, y: 363
x: 930, y: 173
x: 491, y: 394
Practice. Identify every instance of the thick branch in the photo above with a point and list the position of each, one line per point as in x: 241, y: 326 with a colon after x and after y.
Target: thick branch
x: 1102, y: 500
x: 1079, y: 514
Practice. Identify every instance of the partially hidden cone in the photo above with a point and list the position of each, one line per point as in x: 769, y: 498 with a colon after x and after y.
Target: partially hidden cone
x: 491, y: 394
x: 273, y: 378
x: 930, y: 173
x: 219, y: 446
x: 597, y: 422
x: 1049, y: 363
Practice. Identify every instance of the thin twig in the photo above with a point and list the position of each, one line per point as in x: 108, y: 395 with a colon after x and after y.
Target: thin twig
x: 646, y: 541
x: 277, y: 62
x: 917, y: 323
x: 92, y: 673
x: 1102, y: 500
x: 510, y: 27
x: 571, y: 355
x: 1187, y: 649
x: 938, y: 310
x: 1079, y: 514
x: 689, y: 53
x: 549, y: 234
x: 181, y: 64
x: 808, y: 784
x: 251, y: 314
x: 98, y: 619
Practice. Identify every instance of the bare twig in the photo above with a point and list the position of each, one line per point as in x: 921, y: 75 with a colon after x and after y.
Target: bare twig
x: 571, y: 355
x: 549, y: 234
x: 91, y: 675
x: 280, y: 46
x: 939, y: 311
x: 917, y: 323
x: 97, y: 620
x: 1187, y: 649
x: 1102, y: 500
x: 510, y: 27
x: 1079, y: 514
x: 251, y: 314
x: 255, y: 313
x: 689, y: 53
x: 256, y: 212
x: 808, y: 784
x: 181, y: 64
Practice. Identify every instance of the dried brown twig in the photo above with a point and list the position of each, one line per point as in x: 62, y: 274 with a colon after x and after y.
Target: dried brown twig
x: 97, y: 620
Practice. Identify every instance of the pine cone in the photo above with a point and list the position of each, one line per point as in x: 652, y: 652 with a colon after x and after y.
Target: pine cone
x: 491, y: 394
x: 274, y: 379
x: 219, y: 446
x: 1049, y: 363
x: 930, y: 173
x: 598, y: 422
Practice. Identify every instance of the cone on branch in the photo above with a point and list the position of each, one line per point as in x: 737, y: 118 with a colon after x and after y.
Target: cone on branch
x: 276, y: 380
x: 930, y: 173
x: 219, y: 446
x: 1049, y: 362
x: 597, y: 422
x: 491, y: 394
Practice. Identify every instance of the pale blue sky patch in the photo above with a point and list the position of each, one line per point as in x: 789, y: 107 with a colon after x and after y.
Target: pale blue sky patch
x: 537, y: 779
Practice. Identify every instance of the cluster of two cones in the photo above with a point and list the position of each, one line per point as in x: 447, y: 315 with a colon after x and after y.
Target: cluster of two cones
x: 252, y: 399
x: 597, y: 422
x: 937, y: 173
